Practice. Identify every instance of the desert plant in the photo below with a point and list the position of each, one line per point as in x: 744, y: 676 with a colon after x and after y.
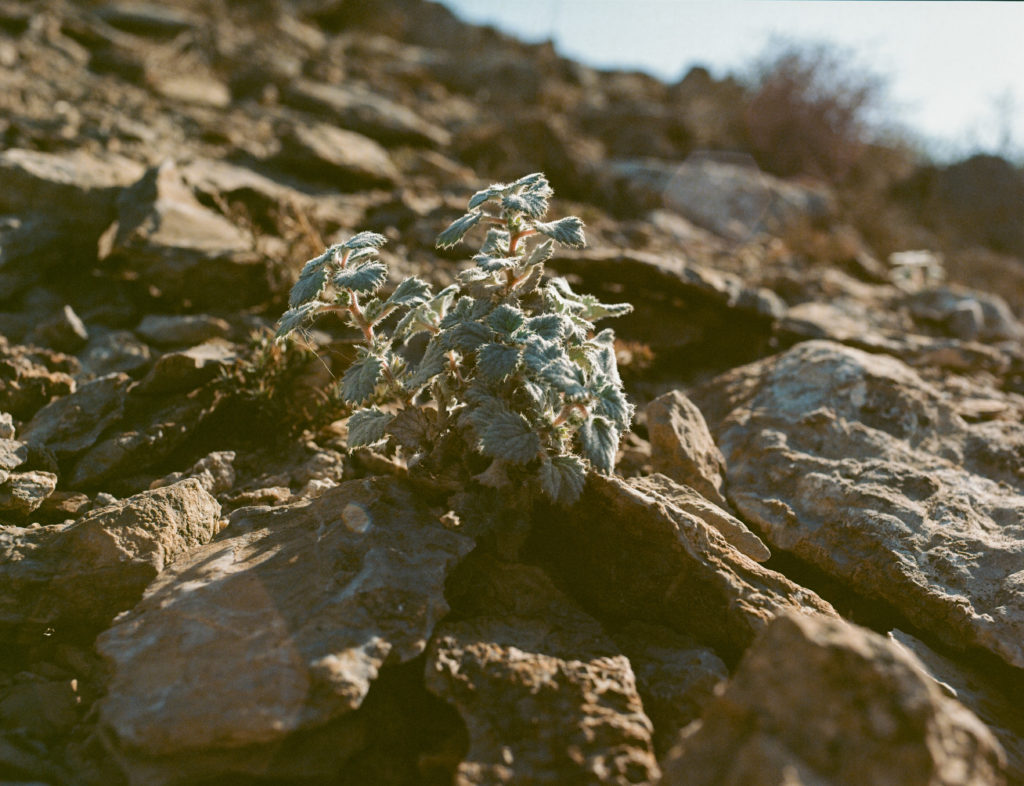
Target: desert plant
x: 512, y: 367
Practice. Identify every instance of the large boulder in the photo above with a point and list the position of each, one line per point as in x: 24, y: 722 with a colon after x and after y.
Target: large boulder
x: 852, y: 462
x: 78, y: 576
x: 627, y: 550
x: 547, y: 697
x: 821, y: 702
x: 274, y: 632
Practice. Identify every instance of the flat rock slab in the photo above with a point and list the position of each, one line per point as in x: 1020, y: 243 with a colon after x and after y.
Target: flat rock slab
x: 81, y: 575
x: 276, y: 629
x: 854, y: 463
x: 819, y: 701
x: 632, y: 553
x: 546, y: 696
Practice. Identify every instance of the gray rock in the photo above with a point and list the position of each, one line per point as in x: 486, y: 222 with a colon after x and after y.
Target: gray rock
x: 148, y: 19
x: 187, y: 369
x: 547, y: 698
x: 820, y: 702
x: 73, y: 424
x: 74, y: 188
x: 181, y: 330
x: 80, y: 575
x: 363, y: 111
x: 12, y: 453
x: 22, y: 492
x: 682, y: 447
x: 686, y: 499
x: 323, y: 153
x: 32, y: 378
x: 632, y: 554
x: 182, y: 248
x: 65, y: 332
x: 6, y: 425
x: 675, y: 676
x: 969, y: 314
x: 114, y: 351
x: 984, y: 691
x: 214, y: 472
x: 735, y: 202
x: 275, y: 630
x: 855, y: 464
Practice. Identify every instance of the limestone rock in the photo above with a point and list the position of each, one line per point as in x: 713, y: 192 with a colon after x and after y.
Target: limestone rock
x: 323, y: 153
x: 72, y: 424
x: 682, y: 447
x: 23, y: 492
x: 80, y: 575
x: 186, y: 369
x: 278, y: 628
x: 181, y: 330
x: 31, y: 378
x: 852, y: 462
x: 214, y: 472
x: 819, y: 701
x: 632, y: 554
x: 182, y: 248
x: 546, y: 696
x: 363, y: 111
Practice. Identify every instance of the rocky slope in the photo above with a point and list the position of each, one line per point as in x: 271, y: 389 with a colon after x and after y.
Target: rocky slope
x: 807, y: 570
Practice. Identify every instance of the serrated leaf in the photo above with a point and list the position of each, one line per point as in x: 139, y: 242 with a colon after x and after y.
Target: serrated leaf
x: 548, y: 326
x: 467, y: 336
x: 294, y: 318
x: 412, y: 427
x: 495, y: 476
x: 599, y: 440
x: 594, y: 309
x: 540, y: 253
x: 431, y: 364
x: 360, y: 254
x: 496, y: 362
x: 494, y: 264
x: 364, y: 240
x: 311, y: 280
x: 506, y: 319
x: 562, y: 478
x: 361, y: 379
x: 532, y: 181
x: 414, y: 321
x: 564, y: 376
x: 532, y: 203
x: 367, y: 426
x: 454, y: 233
x: 494, y: 191
x: 440, y: 302
x: 538, y: 352
x: 495, y: 242
x: 411, y: 292
x: 365, y: 278
x: 530, y: 281
x: 612, y: 403
x: 510, y: 436
x: 567, y: 231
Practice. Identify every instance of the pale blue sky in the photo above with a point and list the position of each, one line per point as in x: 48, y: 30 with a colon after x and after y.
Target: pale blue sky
x: 955, y: 69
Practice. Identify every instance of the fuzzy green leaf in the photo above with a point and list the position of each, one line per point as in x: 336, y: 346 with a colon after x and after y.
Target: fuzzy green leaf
x: 506, y: 319
x: 548, y: 326
x: 496, y: 362
x: 567, y: 231
x: 361, y: 379
x: 454, y: 233
x: 364, y: 240
x: 530, y: 281
x: 493, y: 192
x: 563, y: 375
x: 311, y: 280
x: 562, y: 478
x: 494, y: 264
x: 509, y: 436
x: 611, y: 402
x: 410, y: 292
x: 532, y: 203
x: 540, y: 253
x: 535, y: 181
x: 495, y: 243
x: 467, y: 336
x: 412, y: 427
x: 594, y: 309
x: 365, y: 278
x: 367, y: 426
x: 599, y: 441
x: 431, y: 364
x: 297, y: 317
